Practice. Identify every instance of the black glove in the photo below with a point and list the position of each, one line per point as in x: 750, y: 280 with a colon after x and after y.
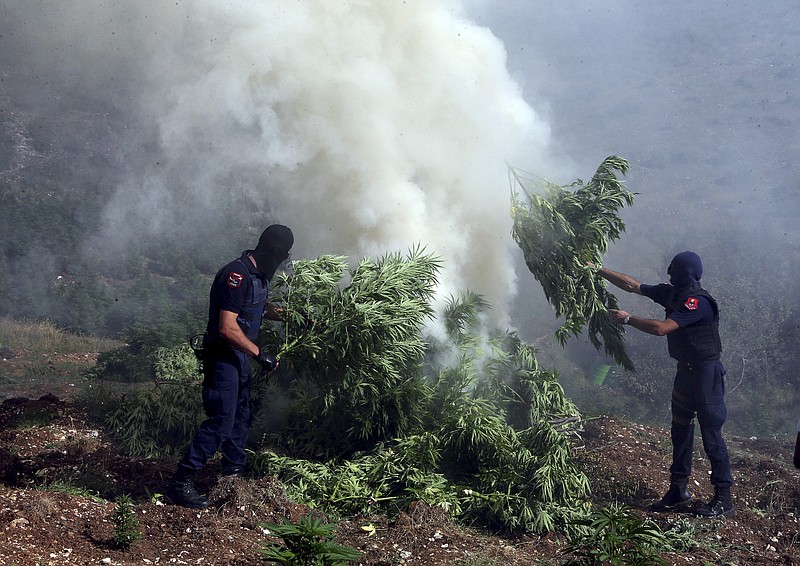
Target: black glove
x: 269, y: 363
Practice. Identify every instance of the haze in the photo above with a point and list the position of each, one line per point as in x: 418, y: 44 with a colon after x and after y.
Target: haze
x: 372, y: 127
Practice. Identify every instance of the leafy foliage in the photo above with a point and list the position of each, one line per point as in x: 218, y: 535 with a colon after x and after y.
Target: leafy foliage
x: 617, y: 536
x: 306, y: 543
x: 127, y: 529
x: 481, y: 445
x: 160, y: 353
x: 497, y: 412
x: 561, y: 232
x: 357, y: 366
x: 178, y: 364
x: 161, y: 417
x: 122, y: 364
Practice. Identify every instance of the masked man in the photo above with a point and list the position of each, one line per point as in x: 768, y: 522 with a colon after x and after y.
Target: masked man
x: 238, y: 302
x: 692, y: 330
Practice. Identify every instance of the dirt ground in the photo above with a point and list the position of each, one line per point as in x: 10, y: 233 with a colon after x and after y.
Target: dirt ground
x: 48, y: 441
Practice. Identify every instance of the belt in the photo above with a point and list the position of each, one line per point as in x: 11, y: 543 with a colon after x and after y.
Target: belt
x: 694, y: 366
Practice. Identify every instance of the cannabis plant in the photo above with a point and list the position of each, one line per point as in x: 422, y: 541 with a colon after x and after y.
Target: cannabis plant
x: 354, y: 349
x: 616, y: 535
x: 176, y: 364
x: 562, y: 233
x: 495, y: 410
x: 483, y: 446
x: 160, y: 418
x: 127, y: 529
x: 306, y: 543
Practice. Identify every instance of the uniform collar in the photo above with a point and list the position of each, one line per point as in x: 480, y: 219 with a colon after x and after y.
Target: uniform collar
x: 248, y: 263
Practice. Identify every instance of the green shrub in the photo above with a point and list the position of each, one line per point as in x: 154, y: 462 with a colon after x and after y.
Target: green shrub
x: 127, y: 529
x: 122, y: 365
x: 615, y: 535
x: 476, y: 437
x: 306, y: 543
x: 178, y: 364
x: 158, y: 420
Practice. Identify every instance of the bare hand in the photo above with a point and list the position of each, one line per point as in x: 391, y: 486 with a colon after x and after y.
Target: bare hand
x: 618, y: 317
x: 274, y: 312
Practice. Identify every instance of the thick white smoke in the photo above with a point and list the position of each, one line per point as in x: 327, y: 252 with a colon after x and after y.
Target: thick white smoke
x: 368, y: 127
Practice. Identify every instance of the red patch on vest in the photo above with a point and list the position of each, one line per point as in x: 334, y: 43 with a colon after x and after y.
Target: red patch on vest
x: 691, y: 303
x: 234, y: 279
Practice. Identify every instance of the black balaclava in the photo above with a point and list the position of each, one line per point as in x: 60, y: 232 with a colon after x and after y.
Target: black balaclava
x: 685, y: 270
x: 273, y: 249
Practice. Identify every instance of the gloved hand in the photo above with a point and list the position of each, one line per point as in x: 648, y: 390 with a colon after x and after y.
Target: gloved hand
x: 269, y: 363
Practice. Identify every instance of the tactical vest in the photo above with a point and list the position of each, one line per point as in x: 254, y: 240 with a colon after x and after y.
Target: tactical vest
x: 253, y: 308
x: 696, y: 342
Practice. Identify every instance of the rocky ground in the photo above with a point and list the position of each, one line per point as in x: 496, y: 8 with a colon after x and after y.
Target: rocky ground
x: 48, y: 447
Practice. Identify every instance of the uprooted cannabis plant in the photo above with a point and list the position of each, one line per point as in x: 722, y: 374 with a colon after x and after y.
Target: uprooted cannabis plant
x: 563, y: 231
x: 378, y: 414
x: 354, y: 350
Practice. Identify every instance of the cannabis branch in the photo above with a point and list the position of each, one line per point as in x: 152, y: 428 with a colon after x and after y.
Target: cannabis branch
x: 563, y: 231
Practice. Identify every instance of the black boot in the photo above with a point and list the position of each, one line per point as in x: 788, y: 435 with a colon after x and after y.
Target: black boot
x: 228, y: 469
x: 231, y: 472
x: 721, y: 505
x: 676, y: 497
x: 182, y: 492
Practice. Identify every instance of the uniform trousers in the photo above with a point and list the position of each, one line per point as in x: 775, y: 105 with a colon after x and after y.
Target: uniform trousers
x: 699, y: 391
x: 226, y: 402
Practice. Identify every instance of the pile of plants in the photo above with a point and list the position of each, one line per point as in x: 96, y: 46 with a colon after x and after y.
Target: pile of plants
x: 368, y: 412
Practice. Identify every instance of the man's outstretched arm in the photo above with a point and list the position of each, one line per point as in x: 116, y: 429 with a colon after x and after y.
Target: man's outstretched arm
x: 649, y: 325
x: 624, y: 282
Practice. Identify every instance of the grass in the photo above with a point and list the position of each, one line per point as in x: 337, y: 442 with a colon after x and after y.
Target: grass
x: 43, y: 337
x: 34, y: 419
x: 77, y: 491
x: 38, y: 356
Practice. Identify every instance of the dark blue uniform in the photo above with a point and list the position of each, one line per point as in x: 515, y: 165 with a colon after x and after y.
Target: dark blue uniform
x: 240, y: 288
x: 699, y: 388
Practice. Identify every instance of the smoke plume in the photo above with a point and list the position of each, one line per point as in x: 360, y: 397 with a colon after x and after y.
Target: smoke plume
x: 368, y: 127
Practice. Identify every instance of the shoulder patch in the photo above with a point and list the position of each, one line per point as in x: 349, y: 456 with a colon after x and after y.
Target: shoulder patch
x: 235, y: 279
x: 691, y: 303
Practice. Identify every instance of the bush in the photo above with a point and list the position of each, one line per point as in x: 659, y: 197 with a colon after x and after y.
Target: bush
x: 127, y: 529
x: 306, y: 543
x: 617, y: 536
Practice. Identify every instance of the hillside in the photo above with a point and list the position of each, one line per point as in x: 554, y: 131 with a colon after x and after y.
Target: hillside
x: 48, y: 440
